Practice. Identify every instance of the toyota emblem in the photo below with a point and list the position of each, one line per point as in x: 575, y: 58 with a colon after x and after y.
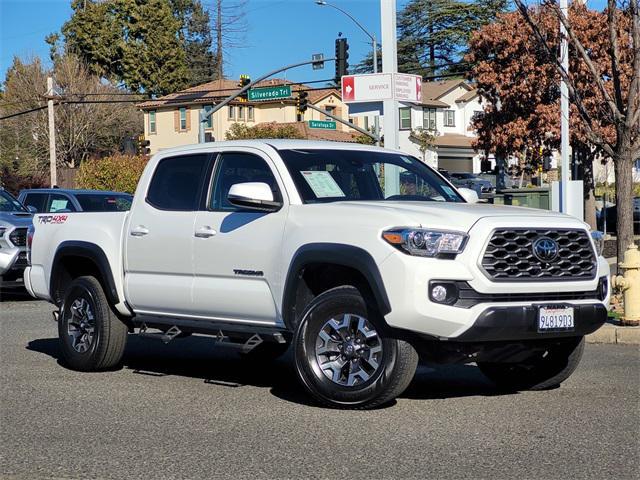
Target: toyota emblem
x: 545, y: 249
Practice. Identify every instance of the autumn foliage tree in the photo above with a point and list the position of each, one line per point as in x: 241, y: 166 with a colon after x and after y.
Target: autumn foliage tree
x: 518, y: 73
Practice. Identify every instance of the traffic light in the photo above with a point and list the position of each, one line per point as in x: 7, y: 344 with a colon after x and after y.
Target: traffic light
x: 143, y: 146
x: 342, y: 59
x: 244, y: 81
x: 302, y: 101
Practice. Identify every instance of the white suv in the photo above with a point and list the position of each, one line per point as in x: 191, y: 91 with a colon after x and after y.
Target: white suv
x: 359, y: 256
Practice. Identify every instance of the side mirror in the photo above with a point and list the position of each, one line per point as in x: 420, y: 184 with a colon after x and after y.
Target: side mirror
x: 32, y: 209
x: 470, y: 196
x: 253, y: 196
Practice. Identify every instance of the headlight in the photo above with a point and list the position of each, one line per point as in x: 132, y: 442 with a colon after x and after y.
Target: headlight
x: 426, y: 243
x: 598, y: 240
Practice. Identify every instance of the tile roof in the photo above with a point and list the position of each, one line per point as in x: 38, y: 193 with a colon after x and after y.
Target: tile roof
x: 453, y: 140
x: 317, y: 133
x: 217, y: 89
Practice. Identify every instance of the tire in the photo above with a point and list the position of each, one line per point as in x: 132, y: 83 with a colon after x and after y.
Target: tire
x: 540, y: 372
x: 356, y: 365
x: 91, y: 336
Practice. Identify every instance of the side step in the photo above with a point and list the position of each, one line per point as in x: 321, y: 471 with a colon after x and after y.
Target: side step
x: 164, y: 337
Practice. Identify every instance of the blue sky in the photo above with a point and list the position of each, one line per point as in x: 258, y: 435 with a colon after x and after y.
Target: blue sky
x: 280, y: 32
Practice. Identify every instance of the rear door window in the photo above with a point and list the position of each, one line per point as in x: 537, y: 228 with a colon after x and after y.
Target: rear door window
x: 177, y: 183
x: 59, y: 203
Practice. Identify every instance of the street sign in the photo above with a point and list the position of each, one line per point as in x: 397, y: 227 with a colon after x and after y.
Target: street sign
x: 323, y: 124
x: 269, y: 93
x: 318, y: 64
x: 382, y: 86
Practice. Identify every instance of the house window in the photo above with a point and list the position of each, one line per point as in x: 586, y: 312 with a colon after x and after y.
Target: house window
x: 183, y: 118
x: 429, y: 118
x: 405, y: 119
x: 209, y: 122
x: 449, y: 118
x: 232, y: 112
x: 331, y: 110
x: 152, y: 121
x: 250, y: 117
x: 240, y: 113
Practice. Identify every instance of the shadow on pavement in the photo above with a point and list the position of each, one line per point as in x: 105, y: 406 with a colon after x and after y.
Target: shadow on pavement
x: 15, y: 295
x: 221, y: 364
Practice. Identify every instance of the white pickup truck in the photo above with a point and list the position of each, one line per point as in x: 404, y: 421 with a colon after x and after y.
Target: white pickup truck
x: 361, y: 258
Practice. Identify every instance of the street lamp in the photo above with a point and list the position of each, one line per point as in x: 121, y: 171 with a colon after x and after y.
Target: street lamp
x: 322, y: 3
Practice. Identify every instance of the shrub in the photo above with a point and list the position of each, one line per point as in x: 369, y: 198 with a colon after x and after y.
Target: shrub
x: 13, y: 181
x: 239, y: 131
x: 117, y: 172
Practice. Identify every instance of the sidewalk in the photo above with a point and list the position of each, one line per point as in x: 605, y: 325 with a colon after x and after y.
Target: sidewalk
x: 611, y: 332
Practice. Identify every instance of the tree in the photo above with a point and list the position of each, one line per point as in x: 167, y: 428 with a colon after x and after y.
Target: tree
x: 83, y: 130
x: 240, y: 131
x: 196, y: 39
x: 131, y: 42
x: 433, y: 34
x: 603, y: 80
x: 230, y: 27
x: 424, y: 139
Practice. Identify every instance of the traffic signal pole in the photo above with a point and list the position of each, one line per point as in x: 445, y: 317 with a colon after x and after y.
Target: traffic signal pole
x: 204, y: 116
x: 390, y: 124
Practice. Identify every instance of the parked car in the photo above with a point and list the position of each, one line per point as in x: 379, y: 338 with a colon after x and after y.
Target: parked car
x: 277, y: 242
x: 469, y: 180
x: 52, y: 200
x: 611, y: 215
x: 14, y: 220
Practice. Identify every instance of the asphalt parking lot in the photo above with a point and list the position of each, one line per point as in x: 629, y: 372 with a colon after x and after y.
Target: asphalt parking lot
x: 195, y: 410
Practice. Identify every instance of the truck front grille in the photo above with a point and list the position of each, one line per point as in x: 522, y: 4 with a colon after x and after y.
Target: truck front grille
x: 510, y: 255
x: 19, y: 237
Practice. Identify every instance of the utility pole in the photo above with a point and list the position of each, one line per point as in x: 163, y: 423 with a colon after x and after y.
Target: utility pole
x: 564, y: 115
x: 219, y: 41
x: 52, y: 133
x: 390, y: 118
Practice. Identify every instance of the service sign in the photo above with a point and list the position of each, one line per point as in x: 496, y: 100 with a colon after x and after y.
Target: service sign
x: 378, y: 87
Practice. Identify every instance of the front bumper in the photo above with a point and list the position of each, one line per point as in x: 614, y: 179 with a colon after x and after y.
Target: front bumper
x: 13, y: 261
x: 520, y: 323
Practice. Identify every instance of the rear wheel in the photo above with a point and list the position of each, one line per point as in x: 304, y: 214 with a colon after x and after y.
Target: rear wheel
x: 91, y: 336
x: 546, y: 369
x: 343, y: 357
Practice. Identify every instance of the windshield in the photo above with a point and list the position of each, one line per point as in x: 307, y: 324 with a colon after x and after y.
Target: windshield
x: 343, y: 175
x: 99, y: 202
x: 10, y: 204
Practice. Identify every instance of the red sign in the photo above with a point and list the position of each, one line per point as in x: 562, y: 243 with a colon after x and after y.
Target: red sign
x: 348, y: 88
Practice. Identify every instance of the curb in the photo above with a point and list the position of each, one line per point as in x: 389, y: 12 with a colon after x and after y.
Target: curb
x: 610, y: 333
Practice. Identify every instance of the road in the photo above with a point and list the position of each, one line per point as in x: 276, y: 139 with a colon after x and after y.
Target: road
x: 192, y: 410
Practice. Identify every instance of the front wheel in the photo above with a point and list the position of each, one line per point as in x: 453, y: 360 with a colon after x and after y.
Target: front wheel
x: 343, y: 357
x: 546, y: 369
x: 91, y: 336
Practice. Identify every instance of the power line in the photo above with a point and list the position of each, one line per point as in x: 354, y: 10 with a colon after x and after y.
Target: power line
x: 23, y: 113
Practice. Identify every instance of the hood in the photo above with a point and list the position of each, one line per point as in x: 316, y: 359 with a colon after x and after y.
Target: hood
x: 450, y: 216
x: 16, y: 219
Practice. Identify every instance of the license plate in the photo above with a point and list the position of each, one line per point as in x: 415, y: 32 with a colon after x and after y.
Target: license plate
x: 555, y: 318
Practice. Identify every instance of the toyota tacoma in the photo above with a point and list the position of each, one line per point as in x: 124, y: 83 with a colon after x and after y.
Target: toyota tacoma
x: 361, y: 259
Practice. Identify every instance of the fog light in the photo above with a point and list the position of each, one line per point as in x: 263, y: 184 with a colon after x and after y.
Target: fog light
x: 439, y: 293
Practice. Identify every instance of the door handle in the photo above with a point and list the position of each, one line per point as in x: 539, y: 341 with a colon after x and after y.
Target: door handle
x: 139, y: 231
x: 205, y: 232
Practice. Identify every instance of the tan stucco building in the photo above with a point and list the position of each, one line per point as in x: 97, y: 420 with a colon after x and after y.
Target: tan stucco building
x: 172, y: 120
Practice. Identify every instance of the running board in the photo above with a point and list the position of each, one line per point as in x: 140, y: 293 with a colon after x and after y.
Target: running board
x: 246, y: 334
